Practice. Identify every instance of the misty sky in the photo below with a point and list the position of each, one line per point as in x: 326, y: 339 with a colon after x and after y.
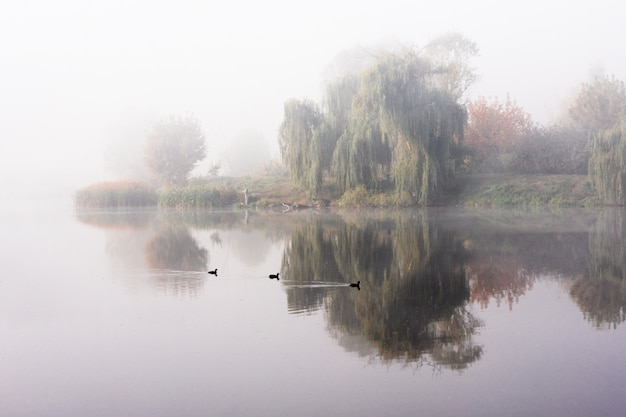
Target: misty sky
x: 76, y: 76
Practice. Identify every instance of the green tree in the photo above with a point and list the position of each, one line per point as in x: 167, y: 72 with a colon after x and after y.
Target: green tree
x: 419, y: 122
x: 300, y: 143
x: 389, y: 120
x: 607, y: 166
x: 173, y: 148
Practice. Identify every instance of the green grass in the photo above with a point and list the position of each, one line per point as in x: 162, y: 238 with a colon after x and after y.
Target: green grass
x: 523, y: 190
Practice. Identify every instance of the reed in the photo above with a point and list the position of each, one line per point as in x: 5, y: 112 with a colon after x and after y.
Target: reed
x: 198, y: 196
x: 116, y: 194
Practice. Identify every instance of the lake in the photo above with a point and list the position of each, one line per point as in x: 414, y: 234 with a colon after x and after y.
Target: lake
x: 479, y: 312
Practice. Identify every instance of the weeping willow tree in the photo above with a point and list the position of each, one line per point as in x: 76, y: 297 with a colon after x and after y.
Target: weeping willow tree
x: 361, y: 155
x: 300, y: 138
x: 392, y: 120
x: 399, y: 125
x: 607, y: 166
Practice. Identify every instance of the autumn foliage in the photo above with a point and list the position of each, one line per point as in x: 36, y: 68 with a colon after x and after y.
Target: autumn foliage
x: 494, y: 128
x: 501, y: 138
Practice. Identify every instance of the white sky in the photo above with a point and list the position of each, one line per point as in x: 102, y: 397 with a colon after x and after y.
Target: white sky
x: 73, y: 71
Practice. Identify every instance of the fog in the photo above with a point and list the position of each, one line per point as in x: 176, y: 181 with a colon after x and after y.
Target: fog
x: 82, y: 82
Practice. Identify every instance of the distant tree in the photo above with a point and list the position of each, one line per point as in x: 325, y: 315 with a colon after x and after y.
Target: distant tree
x: 350, y: 61
x: 214, y: 169
x: 493, y: 131
x: 450, y: 55
x: 275, y: 168
x: 246, y: 153
x: 599, y: 105
x: 173, y: 148
x: 123, y: 155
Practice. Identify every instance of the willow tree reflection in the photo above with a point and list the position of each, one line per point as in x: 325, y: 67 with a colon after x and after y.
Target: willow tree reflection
x: 601, y: 294
x: 411, y: 305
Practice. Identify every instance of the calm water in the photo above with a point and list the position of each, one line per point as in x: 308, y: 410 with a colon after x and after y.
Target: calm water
x: 472, y: 313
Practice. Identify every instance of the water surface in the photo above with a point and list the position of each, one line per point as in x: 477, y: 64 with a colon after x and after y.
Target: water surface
x: 459, y: 312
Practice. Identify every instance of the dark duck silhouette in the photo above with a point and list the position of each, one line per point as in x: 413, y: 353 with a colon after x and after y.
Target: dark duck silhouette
x: 275, y: 276
x: 357, y: 285
x: 214, y: 272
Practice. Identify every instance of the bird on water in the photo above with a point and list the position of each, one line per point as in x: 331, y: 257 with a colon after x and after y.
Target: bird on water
x: 214, y: 272
x: 275, y: 276
x: 357, y: 285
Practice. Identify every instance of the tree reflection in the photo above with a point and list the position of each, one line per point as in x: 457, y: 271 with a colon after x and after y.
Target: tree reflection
x: 418, y: 269
x: 413, y: 288
x: 496, y: 275
x: 504, y: 262
x: 601, y: 295
x: 172, y: 251
x: 174, y: 248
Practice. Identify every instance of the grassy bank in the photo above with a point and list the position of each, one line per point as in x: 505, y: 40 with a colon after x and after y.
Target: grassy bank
x: 522, y: 190
x: 268, y: 192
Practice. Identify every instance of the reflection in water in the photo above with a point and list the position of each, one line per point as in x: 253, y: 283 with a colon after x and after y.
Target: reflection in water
x: 172, y: 247
x: 601, y: 294
x: 144, y: 247
x: 412, y: 281
x: 418, y: 270
x: 251, y: 248
x: 216, y: 239
x: 498, y: 276
x: 585, y: 249
x: 117, y: 219
x: 174, y: 250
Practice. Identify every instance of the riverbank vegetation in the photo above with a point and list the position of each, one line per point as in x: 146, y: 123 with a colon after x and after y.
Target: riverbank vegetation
x: 479, y: 190
x: 116, y: 194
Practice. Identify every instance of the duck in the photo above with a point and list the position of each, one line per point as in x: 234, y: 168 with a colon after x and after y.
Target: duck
x: 214, y: 272
x: 357, y: 285
x: 272, y: 276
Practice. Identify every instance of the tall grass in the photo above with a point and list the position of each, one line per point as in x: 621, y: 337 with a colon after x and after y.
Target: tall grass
x: 116, y: 194
x: 197, y: 197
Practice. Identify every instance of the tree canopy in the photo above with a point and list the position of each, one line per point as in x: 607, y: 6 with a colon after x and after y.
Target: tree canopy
x: 494, y: 128
x: 600, y: 110
x: 607, y: 166
x: 392, y: 120
x: 173, y: 148
x: 600, y: 104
